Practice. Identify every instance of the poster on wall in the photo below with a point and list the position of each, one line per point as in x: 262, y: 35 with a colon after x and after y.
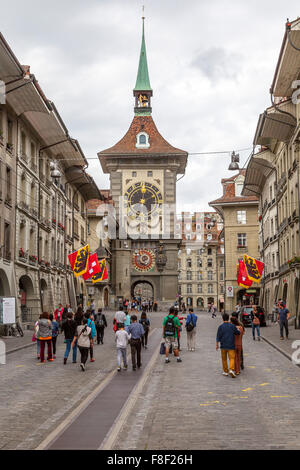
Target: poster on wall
x: 229, y: 291
x: 7, y: 310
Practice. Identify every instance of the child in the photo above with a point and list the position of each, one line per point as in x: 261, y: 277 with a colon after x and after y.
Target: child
x: 122, y: 338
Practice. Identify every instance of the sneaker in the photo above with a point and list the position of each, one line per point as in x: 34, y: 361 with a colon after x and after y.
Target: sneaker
x: 74, y: 362
x: 65, y: 360
x: 146, y: 347
x: 193, y: 349
x: 38, y: 358
x: 225, y: 373
x: 50, y: 360
x: 43, y: 362
x: 258, y: 339
x: 119, y: 369
x: 167, y: 360
x: 82, y: 367
x: 92, y: 360
x: 232, y: 373
x: 125, y: 367
x: 253, y: 339
x: 281, y: 337
x: 139, y: 366
x: 179, y: 359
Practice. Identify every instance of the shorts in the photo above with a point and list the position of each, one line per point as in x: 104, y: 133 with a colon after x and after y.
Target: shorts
x: 171, y: 340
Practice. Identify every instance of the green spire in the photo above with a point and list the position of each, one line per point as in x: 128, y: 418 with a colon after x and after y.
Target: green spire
x: 142, y: 80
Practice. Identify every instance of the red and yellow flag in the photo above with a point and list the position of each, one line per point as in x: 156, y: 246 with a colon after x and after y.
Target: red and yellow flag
x: 93, y: 267
x: 102, y: 274
x: 254, y: 268
x: 79, y: 260
x: 242, y: 275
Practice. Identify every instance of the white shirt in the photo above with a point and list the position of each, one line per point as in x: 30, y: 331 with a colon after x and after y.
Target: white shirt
x: 120, y: 316
x: 121, y: 338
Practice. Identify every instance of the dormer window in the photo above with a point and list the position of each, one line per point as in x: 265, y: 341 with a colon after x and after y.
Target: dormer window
x: 142, y: 140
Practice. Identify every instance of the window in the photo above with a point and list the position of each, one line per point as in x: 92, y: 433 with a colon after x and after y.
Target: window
x: 210, y: 288
x: 6, y: 241
x: 209, y: 251
x: 199, y: 288
x: 199, y: 263
x: 209, y: 262
x: 199, y: 276
x: 221, y: 289
x: 189, y: 288
x: 142, y: 140
x: 242, y: 239
x: 210, y: 275
x: 150, y: 174
x: 8, y: 185
x: 241, y: 217
x: 221, y: 276
x: 189, y: 263
x: 222, y: 263
x: 134, y: 174
x: 238, y: 189
x: 189, y: 275
x: 209, y: 236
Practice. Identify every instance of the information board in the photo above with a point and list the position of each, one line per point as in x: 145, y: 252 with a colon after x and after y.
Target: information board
x: 7, y: 310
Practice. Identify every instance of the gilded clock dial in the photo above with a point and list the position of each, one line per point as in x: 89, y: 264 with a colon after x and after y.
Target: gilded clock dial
x: 143, y: 194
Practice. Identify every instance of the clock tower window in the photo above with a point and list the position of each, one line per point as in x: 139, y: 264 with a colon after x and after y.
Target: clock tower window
x: 142, y: 140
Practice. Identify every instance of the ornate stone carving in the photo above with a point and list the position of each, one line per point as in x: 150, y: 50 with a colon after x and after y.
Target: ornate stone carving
x: 161, y: 257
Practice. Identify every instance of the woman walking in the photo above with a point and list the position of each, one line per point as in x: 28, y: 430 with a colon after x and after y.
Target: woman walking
x: 190, y: 325
x: 36, y: 336
x: 45, y: 336
x: 55, y: 332
x: 238, y: 343
x: 84, y: 341
x: 145, y: 322
x: 255, y: 322
x: 69, y: 329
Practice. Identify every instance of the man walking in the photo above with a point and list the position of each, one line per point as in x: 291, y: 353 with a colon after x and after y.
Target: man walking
x: 120, y: 317
x: 190, y: 324
x: 101, y: 323
x: 171, y: 325
x: 283, y: 318
x: 226, y: 337
x: 136, y: 331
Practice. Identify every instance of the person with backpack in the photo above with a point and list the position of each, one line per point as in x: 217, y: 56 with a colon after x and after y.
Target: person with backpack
x: 45, y: 336
x: 255, y: 323
x: 55, y: 333
x: 171, y: 324
x: 145, y: 322
x: 190, y: 325
x: 101, y: 323
x: 91, y: 324
x: 178, y: 329
x: 226, y: 337
x: 84, y: 340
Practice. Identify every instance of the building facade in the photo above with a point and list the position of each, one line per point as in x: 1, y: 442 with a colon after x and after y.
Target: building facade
x: 240, y: 217
x: 43, y: 170
x: 273, y: 174
x: 201, y: 278
x: 143, y: 169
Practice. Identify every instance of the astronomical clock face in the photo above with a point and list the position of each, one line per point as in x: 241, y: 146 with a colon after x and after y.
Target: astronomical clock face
x: 143, y: 260
x: 143, y: 197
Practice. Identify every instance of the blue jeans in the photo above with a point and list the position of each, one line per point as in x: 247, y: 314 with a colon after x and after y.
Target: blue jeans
x: 257, y: 328
x: 68, y: 348
x: 38, y: 347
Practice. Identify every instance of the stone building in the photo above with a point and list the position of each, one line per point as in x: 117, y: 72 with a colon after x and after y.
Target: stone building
x: 143, y: 169
x: 201, y: 260
x: 273, y: 175
x: 43, y: 170
x: 240, y: 217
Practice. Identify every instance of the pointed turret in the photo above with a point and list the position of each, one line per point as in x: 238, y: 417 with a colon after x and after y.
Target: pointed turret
x: 142, y: 90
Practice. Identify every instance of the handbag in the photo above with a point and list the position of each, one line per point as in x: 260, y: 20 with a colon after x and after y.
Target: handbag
x: 162, y: 348
x: 33, y: 339
x: 190, y: 325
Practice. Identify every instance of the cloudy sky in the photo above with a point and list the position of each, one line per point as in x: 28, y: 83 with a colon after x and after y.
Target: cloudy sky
x: 211, y: 64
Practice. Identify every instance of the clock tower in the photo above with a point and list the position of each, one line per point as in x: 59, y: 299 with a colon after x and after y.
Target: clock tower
x: 143, y: 170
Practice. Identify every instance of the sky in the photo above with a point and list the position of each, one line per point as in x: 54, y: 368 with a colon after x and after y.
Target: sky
x: 211, y: 64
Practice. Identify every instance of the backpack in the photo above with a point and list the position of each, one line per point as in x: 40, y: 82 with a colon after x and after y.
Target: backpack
x: 170, y: 327
x: 144, y: 324
x: 100, y: 321
x: 190, y: 325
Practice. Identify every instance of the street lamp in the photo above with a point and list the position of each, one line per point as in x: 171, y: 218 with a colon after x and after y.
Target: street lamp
x: 234, y: 165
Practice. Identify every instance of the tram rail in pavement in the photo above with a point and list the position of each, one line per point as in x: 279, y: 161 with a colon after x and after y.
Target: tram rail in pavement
x: 96, y: 423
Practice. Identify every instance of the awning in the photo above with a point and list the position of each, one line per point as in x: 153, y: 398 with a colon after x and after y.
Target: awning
x: 288, y: 64
x: 23, y: 96
x: 83, y: 182
x: 273, y: 127
x: 259, y: 168
x: 10, y: 68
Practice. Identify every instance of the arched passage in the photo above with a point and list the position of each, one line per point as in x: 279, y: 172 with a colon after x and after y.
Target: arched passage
x: 142, y: 289
x: 4, y: 284
x: 27, y: 298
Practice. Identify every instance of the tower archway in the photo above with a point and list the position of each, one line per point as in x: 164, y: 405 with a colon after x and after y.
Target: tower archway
x: 143, y: 289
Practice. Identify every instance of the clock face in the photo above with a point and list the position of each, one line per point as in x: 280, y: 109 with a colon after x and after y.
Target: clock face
x: 143, y: 260
x: 143, y: 197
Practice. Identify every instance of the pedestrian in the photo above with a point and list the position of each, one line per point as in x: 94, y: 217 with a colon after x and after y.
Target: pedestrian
x: 136, y: 331
x: 255, y: 323
x: 69, y: 329
x: 36, y: 335
x: 122, y: 338
x: 91, y: 324
x: 283, y: 318
x: 236, y: 315
x: 238, y: 341
x: 128, y: 319
x: 101, y: 324
x: 84, y: 341
x: 58, y: 313
x: 145, y: 322
x: 183, y: 307
x: 190, y: 325
x: 55, y: 333
x: 226, y: 337
x: 45, y: 336
x: 155, y: 307
x: 120, y: 317
x: 93, y: 307
x: 180, y: 328
x: 170, y: 328
x: 213, y: 310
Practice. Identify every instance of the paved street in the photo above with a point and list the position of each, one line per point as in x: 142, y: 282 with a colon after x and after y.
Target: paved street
x: 173, y: 406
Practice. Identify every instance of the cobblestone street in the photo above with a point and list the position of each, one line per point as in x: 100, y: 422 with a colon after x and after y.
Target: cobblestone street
x: 180, y: 406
